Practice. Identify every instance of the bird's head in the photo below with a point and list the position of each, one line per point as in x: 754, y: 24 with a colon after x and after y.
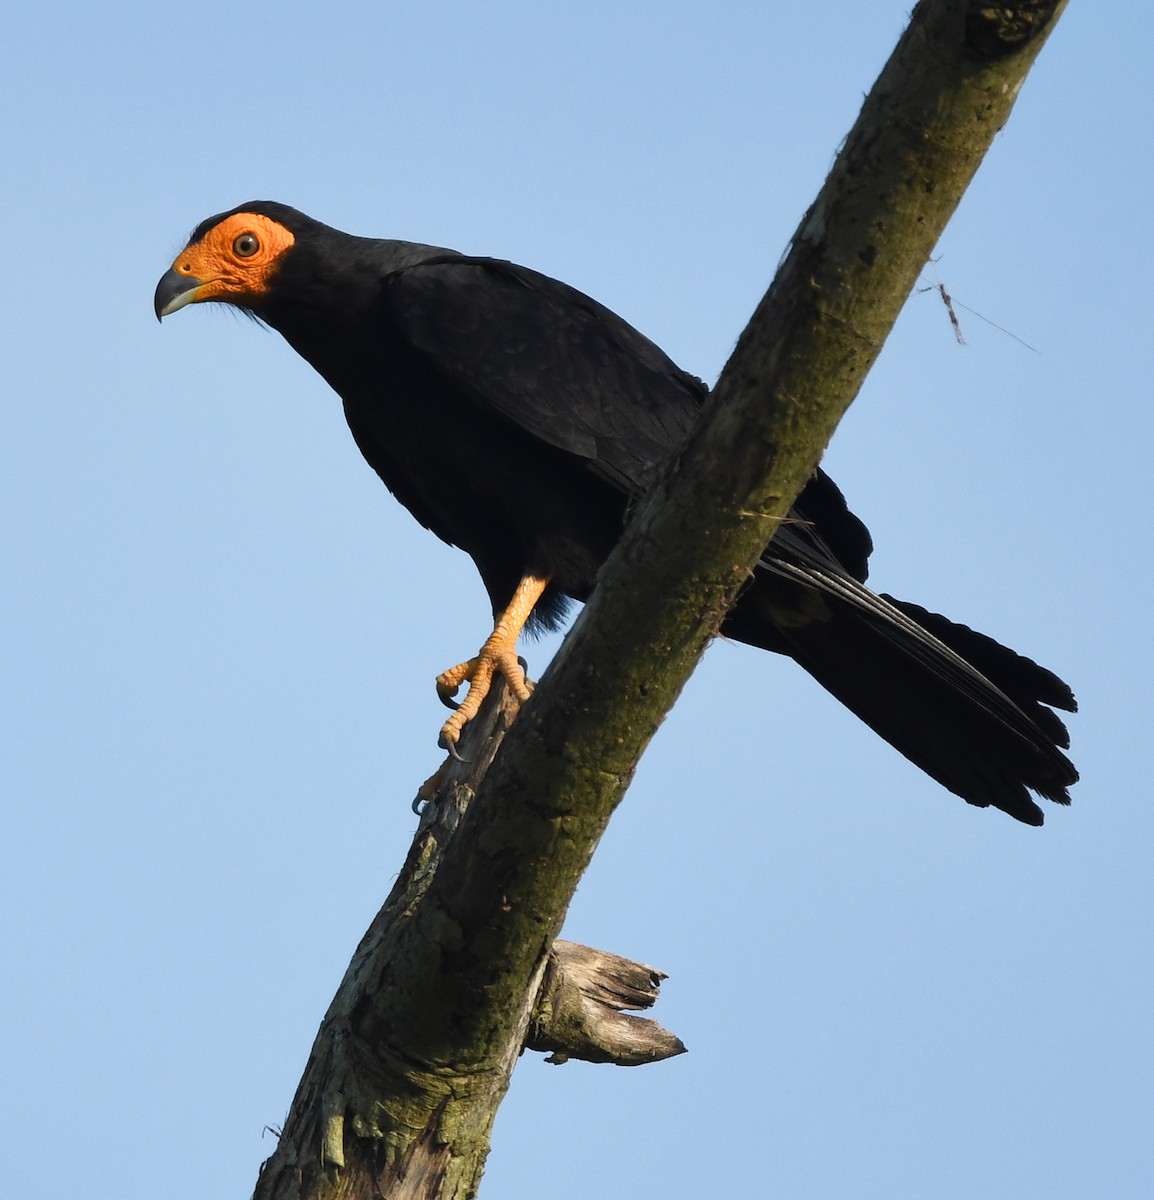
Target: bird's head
x: 231, y: 258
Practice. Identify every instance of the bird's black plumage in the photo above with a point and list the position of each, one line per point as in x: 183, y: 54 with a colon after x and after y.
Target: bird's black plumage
x: 517, y: 418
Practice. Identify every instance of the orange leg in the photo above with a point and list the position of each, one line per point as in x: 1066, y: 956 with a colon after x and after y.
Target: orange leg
x: 498, y: 656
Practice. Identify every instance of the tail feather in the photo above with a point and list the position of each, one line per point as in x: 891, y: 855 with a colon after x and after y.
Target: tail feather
x: 1029, y: 685
x: 968, y: 711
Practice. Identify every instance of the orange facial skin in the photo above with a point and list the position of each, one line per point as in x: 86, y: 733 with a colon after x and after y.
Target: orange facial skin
x: 234, y: 262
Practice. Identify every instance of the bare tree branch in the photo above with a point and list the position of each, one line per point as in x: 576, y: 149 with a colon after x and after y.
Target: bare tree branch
x: 416, y: 1051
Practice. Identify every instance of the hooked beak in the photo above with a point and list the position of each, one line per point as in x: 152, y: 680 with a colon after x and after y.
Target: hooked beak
x: 175, y: 291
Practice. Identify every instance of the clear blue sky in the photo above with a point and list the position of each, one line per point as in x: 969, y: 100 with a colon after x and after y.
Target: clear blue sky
x: 220, y: 632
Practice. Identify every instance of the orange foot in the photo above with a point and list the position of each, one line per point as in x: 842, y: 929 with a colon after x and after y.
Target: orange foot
x: 498, y: 656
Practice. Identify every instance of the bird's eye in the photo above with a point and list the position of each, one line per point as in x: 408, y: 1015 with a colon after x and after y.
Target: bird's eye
x: 246, y: 245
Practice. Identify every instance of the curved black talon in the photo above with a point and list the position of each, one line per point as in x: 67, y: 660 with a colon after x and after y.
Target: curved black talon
x: 451, y: 748
x: 428, y: 790
x: 446, y: 698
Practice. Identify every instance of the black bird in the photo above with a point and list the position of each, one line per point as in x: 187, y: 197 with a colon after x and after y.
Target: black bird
x: 516, y: 418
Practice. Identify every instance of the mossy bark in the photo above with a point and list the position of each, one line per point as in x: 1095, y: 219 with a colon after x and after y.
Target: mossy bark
x: 404, y: 1082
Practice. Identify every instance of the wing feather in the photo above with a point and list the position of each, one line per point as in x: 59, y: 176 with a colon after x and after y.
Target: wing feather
x: 549, y: 360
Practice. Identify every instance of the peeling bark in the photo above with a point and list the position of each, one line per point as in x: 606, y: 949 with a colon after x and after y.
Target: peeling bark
x: 579, y: 1009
